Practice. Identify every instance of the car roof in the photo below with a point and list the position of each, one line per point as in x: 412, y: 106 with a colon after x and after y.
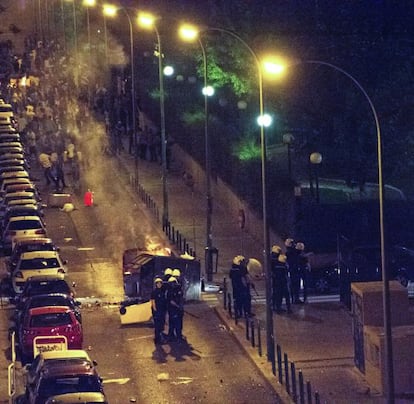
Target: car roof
x: 16, y: 194
x: 65, y: 354
x: 49, y: 309
x: 72, y: 398
x: 22, y: 207
x: 55, y: 370
x: 15, y: 202
x: 38, y: 254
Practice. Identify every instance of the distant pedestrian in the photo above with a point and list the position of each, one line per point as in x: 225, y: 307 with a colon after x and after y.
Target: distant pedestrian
x: 46, y: 164
x: 175, y: 300
x: 159, y: 310
x: 303, y: 269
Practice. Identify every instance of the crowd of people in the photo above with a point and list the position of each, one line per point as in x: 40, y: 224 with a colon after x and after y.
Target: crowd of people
x: 289, y: 279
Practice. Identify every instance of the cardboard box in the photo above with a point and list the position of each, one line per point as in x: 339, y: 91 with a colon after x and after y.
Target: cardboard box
x: 367, y: 303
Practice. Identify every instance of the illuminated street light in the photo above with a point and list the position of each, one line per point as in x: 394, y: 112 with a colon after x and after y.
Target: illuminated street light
x: 389, y: 367
x: 147, y: 21
x: 263, y: 121
x: 110, y: 10
x: 190, y: 34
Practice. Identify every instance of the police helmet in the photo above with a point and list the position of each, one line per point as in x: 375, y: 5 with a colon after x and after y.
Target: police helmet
x: 173, y: 280
x: 276, y: 249
x: 176, y: 273
x: 168, y: 271
x: 289, y: 242
x: 300, y: 246
x: 282, y: 258
x: 156, y: 280
x: 238, y: 260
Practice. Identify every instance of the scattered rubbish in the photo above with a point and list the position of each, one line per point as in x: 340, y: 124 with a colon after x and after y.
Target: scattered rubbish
x: 163, y: 376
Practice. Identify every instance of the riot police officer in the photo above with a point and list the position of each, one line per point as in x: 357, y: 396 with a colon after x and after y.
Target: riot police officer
x: 159, y: 310
x: 274, y: 255
x: 292, y: 261
x: 175, y: 300
x: 303, y: 269
x: 237, y: 272
x: 280, y: 278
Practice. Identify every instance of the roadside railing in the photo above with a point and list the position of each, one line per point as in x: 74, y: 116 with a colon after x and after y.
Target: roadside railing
x: 285, y: 370
x: 173, y: 234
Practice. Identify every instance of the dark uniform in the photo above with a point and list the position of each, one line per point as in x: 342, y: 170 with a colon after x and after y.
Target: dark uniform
x: 175, y: 299
x: 280, y: 283
x: 159, y: 310
x: 237, y: 272
x: 292, y: 261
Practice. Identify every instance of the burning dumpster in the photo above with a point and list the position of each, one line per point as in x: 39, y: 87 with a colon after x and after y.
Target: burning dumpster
x: 140, y: 267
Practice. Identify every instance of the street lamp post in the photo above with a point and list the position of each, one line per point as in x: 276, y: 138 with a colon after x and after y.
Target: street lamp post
x: 276, y: 67
x: 110, y: 11
x: 148, y: 21
x: 315, y: 159
x: 189, y: 34
x: 288, y: 139
x: 263, y: 122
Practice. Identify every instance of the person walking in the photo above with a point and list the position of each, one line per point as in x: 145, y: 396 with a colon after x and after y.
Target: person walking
x: 280, y: 278
x: 46, y: 164
x: 159, y: 310
x: 303, y: 269
x: 175, y: 301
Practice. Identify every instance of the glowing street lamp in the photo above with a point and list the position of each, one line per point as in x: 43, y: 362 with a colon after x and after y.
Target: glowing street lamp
x: 280, y: 67
x: 190, y: 34
x: 263, y: 121
x: 147, y: 21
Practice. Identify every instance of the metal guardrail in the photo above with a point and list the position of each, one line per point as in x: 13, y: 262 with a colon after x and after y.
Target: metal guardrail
x: 173, y: 234
x: 285, y: 370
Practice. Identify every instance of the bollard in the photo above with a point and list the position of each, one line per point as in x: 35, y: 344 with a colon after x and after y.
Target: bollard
x: 286, y: 367
x: 177, y: 233
x: 301, y: 388
x: 247, y: 329
x: 317, y: 398
x: 225, y: 293
x: 192, y: 252
x: 173, y: 234
x: 309, y: 391
x: 279, y: 363
x: 185, y: 244
x: 179, y: 241
x: 229, y: 303
x: 293, y: 377
x: 259, y: 342
x: 252, y: 334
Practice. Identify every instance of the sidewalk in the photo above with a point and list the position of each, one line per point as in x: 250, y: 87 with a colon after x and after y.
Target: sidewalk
x: 317, y: 337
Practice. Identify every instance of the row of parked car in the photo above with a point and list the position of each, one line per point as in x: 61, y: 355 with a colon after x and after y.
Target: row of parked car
x: 47, y: 317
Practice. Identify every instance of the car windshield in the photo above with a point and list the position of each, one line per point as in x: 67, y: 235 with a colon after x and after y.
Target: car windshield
x: 39, y: 263
x: 62, y: 385
x: 32, y: 248
x: 25, y: 225
x: 50, y: 320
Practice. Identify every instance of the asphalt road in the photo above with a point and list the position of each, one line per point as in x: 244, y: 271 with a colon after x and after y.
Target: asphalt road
x: 210, y: 368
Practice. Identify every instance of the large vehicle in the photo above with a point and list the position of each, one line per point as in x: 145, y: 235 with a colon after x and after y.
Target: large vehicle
x: 140, y: 267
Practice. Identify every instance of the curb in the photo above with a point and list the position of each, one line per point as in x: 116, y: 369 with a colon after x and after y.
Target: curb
x: 260, y: 362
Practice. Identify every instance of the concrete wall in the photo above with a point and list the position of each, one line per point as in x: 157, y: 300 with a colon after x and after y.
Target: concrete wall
x: 222, y: 195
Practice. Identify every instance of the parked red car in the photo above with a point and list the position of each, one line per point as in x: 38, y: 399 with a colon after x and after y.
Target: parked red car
x: 49, y: 321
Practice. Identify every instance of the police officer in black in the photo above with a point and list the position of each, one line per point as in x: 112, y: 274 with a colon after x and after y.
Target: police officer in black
x: 292, y: 261
x: 280, y: 275
x: 159, y: 310
x: 237, y: 273
x: 175, y: 300
x: 276, y: 251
